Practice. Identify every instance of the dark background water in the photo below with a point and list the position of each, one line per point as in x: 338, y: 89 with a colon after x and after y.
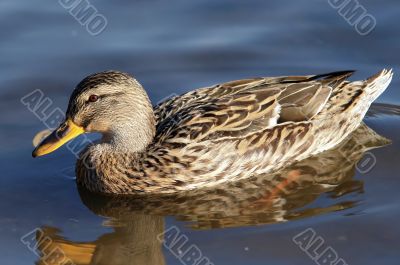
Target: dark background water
x: 172, y: 47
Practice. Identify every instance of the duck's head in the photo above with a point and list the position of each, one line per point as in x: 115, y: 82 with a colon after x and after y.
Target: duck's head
x: 111, y: 103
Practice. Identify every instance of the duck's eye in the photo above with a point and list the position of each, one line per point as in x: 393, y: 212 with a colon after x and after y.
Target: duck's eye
x: 93, y: 98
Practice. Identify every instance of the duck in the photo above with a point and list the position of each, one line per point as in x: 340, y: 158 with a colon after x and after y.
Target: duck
x: 222, y: 133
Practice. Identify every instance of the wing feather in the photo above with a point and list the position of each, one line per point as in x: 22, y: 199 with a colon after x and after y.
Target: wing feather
x: 303, y: 103
x: 233, y: 115
x: 242, y: 107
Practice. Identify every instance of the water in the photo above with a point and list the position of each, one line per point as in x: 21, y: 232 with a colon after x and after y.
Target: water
x: 172, y: 47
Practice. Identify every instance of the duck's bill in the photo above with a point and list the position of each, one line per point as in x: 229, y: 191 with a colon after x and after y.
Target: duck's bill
x: 67, y: 131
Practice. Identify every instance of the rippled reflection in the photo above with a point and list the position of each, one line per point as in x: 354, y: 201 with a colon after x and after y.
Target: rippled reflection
x: 282, y: 196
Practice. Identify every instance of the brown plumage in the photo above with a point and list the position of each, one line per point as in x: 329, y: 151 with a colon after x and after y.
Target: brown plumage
x: 212, y: 135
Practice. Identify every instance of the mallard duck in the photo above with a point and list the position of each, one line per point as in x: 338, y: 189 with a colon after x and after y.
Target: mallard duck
x: 226, y: 132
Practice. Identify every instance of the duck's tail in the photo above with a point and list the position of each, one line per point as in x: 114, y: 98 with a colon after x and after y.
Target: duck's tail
x: 348, y: 105
x: 371, y: 89
x: 357, y: 96
x: 375, y: 85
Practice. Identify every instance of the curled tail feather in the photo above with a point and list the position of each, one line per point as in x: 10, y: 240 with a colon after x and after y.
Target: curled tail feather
x: 347, y: 107
x: 356, y: 96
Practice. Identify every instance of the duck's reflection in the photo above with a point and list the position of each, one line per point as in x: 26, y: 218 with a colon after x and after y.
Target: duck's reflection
x: 133, y: 241
x: 278, y: 197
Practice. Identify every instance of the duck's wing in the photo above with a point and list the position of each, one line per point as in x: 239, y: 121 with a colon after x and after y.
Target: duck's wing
x: 237, y: 114
x: 174, y: 104
x: 238, y: 108
x: 300, y: 102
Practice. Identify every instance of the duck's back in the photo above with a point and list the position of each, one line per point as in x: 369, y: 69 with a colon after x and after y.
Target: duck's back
x: 239, y: 108
x: 246, y: 127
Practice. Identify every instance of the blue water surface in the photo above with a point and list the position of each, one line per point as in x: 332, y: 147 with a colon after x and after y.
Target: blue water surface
x: 172, y: 47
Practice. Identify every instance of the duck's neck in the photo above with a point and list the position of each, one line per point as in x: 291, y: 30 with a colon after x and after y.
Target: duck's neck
x: 132, y: 135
